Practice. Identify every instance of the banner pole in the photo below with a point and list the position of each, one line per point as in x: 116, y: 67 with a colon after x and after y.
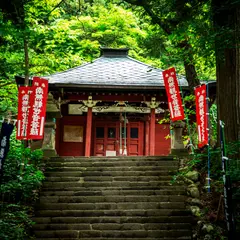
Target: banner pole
x: 227, y: 186
x: 209, y: 153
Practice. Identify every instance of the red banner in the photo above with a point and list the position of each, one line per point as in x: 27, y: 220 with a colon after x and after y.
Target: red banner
x: 37, y: 111
x: 201, y: 113
x: 174, y: 97
x: 24, y: 94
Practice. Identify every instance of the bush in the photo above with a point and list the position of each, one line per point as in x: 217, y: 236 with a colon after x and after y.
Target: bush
x: 15, y: 223
x: 22, y: 180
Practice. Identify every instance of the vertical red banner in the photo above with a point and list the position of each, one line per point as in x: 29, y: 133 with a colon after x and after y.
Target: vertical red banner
x: 37, y: 111
x: 173, y: 93
x: 24, y: 95
x: 201, y: 113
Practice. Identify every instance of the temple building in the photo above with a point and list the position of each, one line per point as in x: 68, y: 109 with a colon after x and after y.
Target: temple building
x: 109, y: 107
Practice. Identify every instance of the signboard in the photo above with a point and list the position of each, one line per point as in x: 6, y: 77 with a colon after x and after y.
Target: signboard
x: 72, y: 133
x: 5, y: 134
x: 32, y: 102
x: 201, y: 113
x: 24, y: 94
x: 37, y: 110
x: 79, y: 109
x: 174, y: 97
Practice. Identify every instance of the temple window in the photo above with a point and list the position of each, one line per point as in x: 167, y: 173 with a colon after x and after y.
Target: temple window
x: 134, y: 132
x: 111, y: 132
x: 100, y: 132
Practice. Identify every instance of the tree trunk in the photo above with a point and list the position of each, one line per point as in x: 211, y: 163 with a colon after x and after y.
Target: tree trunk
x: 191, y: 76
x: 190, y: 70
x: 227, y: 18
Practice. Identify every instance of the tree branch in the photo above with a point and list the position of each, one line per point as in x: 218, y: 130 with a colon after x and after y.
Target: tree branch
x: 26, y: 57
x: 6, y: 84
x: 168, y: 26
x: 55, y: 7
x: 155, y: 19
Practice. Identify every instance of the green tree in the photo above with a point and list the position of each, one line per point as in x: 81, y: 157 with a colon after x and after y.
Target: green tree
x: 59, y: 36
x: 226, y: 18
x: 174, y: 17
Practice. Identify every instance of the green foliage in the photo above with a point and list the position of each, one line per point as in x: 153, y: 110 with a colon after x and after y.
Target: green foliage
x: 180, y: 31
x: 14, y: 222
x: 199, y: 161
x: 22, y: 180
x: 213, y: 124
x: 60, y: 38
x: 22, y: 174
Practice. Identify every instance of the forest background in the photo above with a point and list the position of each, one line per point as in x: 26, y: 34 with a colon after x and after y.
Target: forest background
x: 43, y: 37
x: 200, y: 38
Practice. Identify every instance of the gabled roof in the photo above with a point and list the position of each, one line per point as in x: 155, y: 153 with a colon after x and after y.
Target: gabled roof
x: 114, y: 69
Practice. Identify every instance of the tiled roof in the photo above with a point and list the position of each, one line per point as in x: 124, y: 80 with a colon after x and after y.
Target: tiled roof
x: 116, y: 70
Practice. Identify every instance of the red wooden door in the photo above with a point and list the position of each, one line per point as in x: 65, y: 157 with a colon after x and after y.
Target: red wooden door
x: 135, y: 139
x: 107, y: 139
x: 99, y: 140
x: 112, y: 139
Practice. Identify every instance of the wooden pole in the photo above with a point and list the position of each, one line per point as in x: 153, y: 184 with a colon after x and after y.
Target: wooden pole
x: 125, y: 135
x: 88, y: 133
x: 147, y: 138
x: 120, y: 137
x: 26, y: 60
x: 152, y: 132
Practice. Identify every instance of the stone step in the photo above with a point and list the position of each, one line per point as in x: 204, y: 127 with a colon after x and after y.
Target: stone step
x: 128, y: 213
x: 112, y: 163
x: 162, y: 238
x: 112, y: 206
x: 107, y: 159
x: 109, y: 173
x: 111, y: 198
x: 105, y: 192
x: 112, y: 226
x: 112, y: 169
x: 122, y: 184
x: 109, y: 178
x: 114, y: 219
x: 112, y: 234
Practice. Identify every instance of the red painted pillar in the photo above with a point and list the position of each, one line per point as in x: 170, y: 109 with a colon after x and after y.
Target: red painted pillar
x: 88, y: 133
x: 152, y: 133
x: 147, y: 138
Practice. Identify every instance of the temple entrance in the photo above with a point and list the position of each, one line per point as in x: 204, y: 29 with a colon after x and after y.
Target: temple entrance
x: 118, y: 138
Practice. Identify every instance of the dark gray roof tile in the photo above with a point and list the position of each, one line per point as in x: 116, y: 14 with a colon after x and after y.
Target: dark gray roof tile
x: 112, y: 71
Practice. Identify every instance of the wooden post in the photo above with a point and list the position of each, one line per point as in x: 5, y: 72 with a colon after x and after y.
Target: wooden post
x: 147, y: 138
x: 125, y: 153
x: 152, y: 132
x: 88, y: 133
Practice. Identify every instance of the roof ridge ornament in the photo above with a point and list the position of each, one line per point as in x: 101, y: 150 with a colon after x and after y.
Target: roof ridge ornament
x: 114, y: 52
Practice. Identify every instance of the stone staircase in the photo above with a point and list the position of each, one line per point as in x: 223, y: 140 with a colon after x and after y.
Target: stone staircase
x: 111, y: 198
